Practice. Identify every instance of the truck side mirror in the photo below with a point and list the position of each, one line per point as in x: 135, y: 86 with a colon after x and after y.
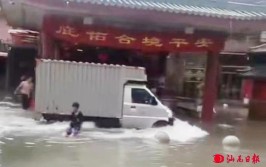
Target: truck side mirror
x: 154, y: 101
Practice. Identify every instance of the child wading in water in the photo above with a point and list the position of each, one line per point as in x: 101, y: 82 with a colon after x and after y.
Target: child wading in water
x: 76, y: 121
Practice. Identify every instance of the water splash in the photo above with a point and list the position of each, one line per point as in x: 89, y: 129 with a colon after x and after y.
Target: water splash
x: 14, y: 122
x: 181, y: 131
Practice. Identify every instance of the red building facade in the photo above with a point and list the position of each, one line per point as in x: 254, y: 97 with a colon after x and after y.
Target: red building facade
x: 147, y: 27
x: 60, y: 31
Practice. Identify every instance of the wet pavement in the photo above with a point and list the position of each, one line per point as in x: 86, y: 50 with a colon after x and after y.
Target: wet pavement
x: 27, y: 143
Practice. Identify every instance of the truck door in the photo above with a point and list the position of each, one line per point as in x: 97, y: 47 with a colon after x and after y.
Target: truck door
x: 140, y: 110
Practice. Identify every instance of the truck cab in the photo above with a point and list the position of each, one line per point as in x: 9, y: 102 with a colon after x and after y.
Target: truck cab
x: 141, y: 109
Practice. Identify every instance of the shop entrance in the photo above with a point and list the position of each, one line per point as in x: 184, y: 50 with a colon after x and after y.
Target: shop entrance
x: 230, y: 82
x: 3, y: 63
x: 21, y: 62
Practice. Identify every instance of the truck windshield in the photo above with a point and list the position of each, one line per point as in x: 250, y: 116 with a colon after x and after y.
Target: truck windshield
x: 140, y: 96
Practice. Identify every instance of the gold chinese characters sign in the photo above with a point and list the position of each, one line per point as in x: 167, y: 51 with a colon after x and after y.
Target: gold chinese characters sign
x: 149, y: 41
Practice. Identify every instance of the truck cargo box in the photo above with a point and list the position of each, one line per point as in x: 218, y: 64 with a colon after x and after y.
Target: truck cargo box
x: 97, y: 87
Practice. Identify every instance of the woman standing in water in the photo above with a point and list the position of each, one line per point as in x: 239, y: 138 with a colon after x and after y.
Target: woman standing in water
x: 25, y: 89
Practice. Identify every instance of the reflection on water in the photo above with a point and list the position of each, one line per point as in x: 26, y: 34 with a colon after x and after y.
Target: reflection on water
x: 25, y: 143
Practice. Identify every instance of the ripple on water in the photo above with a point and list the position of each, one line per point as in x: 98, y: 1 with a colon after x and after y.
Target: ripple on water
x: 29, y: 143
x: 29, y: 146
x: 66, y: 140
x: 9, y: 138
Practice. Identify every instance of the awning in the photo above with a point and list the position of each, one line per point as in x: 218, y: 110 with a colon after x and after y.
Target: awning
x: 24, y: 38
x: 208, y: 8
x: 255, y: 72
x: 3, y: 54
x: 233, y: 53
x: 258, y: 49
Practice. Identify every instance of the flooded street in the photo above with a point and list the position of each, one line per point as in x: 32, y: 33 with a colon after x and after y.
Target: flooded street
x: 197, y: 65
x: 27, y: 143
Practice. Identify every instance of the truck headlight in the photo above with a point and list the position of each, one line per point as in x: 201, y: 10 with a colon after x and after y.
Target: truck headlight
x: 170, y: 113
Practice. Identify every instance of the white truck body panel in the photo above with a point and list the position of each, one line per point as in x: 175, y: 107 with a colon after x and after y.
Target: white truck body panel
x: 98, y: 88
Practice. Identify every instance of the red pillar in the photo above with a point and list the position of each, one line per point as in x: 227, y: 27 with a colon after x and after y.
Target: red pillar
x: 47, y: 47
x: 210, y: 86
x: 247, y: 89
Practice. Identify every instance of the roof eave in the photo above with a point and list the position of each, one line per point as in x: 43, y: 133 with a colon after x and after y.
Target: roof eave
x: 152, y: 17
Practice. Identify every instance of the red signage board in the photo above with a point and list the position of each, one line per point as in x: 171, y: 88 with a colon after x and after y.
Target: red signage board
x: 22, y: 38
x: 119, y: 38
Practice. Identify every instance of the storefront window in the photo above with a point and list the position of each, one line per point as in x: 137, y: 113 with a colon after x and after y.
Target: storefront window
x: 194, y: 75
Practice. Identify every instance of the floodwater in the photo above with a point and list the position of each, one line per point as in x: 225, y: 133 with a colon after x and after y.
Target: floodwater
x: 27, y: 143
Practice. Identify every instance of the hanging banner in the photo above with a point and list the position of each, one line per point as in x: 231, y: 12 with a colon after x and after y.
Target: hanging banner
x: 24, y: 38
x: 118, y: 38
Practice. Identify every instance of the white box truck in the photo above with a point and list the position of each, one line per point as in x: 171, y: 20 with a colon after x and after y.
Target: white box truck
x: 109, y: 95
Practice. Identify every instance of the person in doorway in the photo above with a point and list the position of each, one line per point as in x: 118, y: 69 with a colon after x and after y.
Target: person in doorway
x: 18, y: 98
x: 76, y: 120
x: 25, y: 89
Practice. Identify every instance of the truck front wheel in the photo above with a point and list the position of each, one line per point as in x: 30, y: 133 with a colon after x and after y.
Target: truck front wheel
x: 160, y: 124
